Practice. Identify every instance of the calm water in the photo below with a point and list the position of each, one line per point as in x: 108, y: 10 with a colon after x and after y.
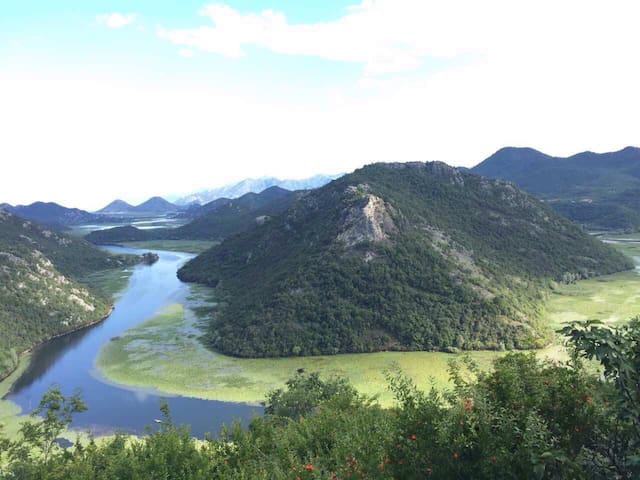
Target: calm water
x: 69, y: 362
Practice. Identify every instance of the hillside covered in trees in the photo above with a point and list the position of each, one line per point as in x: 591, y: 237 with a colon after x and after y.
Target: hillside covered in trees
x: 416, y: 256
x: 40, y: 295
x: 599, y: 191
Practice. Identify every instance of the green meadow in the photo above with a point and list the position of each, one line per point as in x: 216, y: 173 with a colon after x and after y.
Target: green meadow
x: 108, y: 282
x: 10, y: 414
x: 190, y: 246
x: 167, y: 352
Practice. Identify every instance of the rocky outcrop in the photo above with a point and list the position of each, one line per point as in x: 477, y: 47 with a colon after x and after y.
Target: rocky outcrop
x: 366, y: 220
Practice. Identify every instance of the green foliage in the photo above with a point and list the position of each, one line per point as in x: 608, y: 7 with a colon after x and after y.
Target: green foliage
x: 305, y: 393
x: 526, y: 419
x: 39, y: 436
x: 618, y: 351
x: 465, y: 264
x: 40, y: 290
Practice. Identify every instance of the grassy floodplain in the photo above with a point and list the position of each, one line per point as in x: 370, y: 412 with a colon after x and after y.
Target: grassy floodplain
x: 11, y: 415
x: 189, y: 246
x: 108, y: 282
x: 166, y: 352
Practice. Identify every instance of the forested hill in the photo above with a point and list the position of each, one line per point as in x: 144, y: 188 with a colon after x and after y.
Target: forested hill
x: 395, y: 256
x: 600, y: 191
x: 40, y: 295
x: 213, y: 221
x: 56, y: 216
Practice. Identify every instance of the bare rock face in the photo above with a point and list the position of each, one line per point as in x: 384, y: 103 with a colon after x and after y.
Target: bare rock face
x: 368, y: 219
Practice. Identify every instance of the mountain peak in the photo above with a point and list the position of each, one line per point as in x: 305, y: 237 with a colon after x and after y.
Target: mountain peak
x: 598, y: 190
x: 254, y: 185
x: 394, y: 256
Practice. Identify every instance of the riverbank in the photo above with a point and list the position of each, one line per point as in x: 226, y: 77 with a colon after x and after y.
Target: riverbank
x: 107, y: 282
x: 188, y: 246
x: 11, y: 415
x: 167, y: 353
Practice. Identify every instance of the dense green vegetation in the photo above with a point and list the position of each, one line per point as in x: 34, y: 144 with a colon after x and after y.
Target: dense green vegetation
x: 213, y: 221
x: 599, y: 191
x: 396, y: 256
x: 525, y: 419
x: 40, y: 292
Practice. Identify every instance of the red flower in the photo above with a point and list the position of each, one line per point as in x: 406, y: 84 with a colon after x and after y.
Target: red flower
x: 413, y: 436
x: 587, y: 399
x: 308, y: 467
x: 387, y: 460
x: 455, y: 454
x: 381, y: 466
x: 293, y: 468
x: 494, y: 459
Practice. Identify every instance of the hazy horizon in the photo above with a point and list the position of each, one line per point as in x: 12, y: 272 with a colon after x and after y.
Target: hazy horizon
x: 134, y: 99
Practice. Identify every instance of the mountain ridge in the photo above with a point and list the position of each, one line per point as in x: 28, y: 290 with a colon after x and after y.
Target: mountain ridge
x: 597, y: 190
x: 406, y: 256
x: 55, y: 215
x: 213, y: 221
x: 254, y: 185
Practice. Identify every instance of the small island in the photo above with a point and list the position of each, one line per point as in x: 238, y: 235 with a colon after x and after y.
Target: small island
x: 149, y: 258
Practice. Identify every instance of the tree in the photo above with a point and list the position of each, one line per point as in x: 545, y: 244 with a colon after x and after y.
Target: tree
x: 618, y: 351
x: 57, y: 413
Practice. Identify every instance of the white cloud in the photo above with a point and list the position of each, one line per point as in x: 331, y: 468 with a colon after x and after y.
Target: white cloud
x: 116, y: 20
x: 558, y: 76
x: 186, y: 52
x: 388, y: 36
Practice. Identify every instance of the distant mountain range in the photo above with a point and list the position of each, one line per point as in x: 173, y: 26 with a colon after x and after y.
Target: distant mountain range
x: 417, y: 256
x: 599, y: 191
x: 154, y: 206
x: 255, y: 185
x: 54, y: 215
x: 117, y: 207
x: 213, y: 221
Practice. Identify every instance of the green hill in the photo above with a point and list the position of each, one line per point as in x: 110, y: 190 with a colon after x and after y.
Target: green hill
x: 56, y: 216
x: 213, y: 221
x: 40, y: 295
x: 599, y: 191
x: 395, y: 256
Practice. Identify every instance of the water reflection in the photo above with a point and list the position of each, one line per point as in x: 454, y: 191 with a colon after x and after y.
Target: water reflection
x: 69, y: 362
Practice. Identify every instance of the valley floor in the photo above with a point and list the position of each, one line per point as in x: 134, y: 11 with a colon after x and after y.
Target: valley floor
x: 166, y: 352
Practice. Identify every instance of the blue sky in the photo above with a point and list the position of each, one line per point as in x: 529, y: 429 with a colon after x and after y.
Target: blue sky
x: 193, y: 94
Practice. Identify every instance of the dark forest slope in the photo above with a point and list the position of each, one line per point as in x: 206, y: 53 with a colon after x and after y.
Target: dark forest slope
x: 40, y: 295
x: 395, y: 256
x: 600, y: 191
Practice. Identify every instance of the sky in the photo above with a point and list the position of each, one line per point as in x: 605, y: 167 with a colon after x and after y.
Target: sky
x: 129, y: 99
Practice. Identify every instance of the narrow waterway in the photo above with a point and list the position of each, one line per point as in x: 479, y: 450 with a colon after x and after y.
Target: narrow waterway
x: 69, y: 362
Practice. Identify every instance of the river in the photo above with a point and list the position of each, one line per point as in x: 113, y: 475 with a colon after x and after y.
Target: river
x: 69, y: 362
